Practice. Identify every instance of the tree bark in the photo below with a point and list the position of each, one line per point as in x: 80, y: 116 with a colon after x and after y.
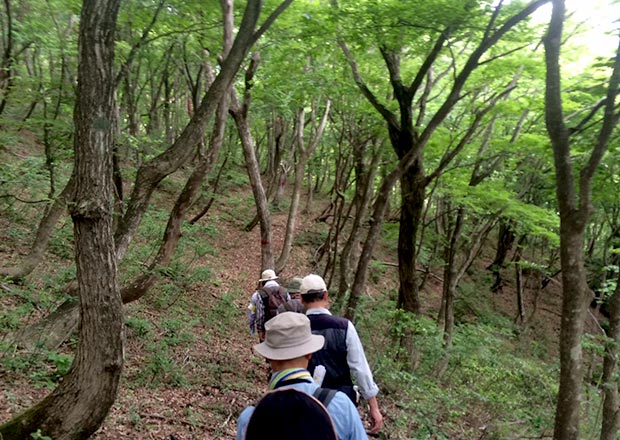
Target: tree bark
x: 240, y: 115
x: 303, y: 154
x: 450, y: 279
x: 611, y: 401
x: 45, y: 231
x: 78, y: 406
x: 409, y: 141
x: 505, y: 239
x: 575, y: 209
x: 152, y: 173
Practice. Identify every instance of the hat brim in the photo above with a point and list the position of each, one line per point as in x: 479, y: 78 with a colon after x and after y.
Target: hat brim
x: 314, y: 344
x: 268, y: 279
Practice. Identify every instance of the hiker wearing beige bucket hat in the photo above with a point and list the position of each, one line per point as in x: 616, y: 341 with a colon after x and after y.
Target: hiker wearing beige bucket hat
x: 288, y: 347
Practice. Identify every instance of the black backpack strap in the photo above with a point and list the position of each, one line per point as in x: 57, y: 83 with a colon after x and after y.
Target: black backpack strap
x: 263, y: 294
x: 324, y: 395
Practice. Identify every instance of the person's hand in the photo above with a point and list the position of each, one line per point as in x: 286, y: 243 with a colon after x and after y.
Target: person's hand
x: 376, y: 420
x: 261, y: 336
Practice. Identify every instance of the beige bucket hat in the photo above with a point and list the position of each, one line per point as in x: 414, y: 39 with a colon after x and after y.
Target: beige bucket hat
x: 288, y: 336
x: 268, y: 274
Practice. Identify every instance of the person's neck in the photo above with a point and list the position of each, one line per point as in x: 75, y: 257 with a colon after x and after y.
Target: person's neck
x: 289, y: 363
x: 316, y: 305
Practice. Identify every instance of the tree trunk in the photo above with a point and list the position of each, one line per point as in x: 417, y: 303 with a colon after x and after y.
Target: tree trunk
x: 78, y: 406
x: 520, y: 318
x: 151, y: 173
x: 574, y: 306
x: 411, y: 209
x: 303, y: 154
x: 575, y: 209
x: 378, y: 214
x: 6, y: 63
x: 240, y: 115
x: 450, y: 279
x: 505, y: 239
x: 611, y: 400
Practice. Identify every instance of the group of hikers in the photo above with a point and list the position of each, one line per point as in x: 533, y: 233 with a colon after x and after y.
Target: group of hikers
x: 313, y: 357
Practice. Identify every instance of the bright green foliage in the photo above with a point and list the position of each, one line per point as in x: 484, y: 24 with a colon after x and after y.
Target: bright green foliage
x: 509, y: 393
x: 39, y: 436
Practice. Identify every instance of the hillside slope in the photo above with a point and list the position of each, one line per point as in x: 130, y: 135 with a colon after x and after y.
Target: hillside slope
x: 190, y: 368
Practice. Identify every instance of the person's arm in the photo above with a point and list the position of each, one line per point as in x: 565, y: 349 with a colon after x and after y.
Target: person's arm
x: 376, y: 418
x: 242, y: 423
x: 356, y: 358
x: 260, y: 317
x: 252, y: 314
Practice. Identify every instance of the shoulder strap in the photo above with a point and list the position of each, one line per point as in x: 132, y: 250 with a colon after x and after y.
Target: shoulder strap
x: 288, y: 306
x: 324, y: 395
x: 264, y: 293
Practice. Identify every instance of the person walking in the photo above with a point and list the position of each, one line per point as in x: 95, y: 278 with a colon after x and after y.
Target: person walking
x: 294, y: 304
x: 343, y: 354
x: 290, y: 414
x: 264, y: 302
x: 288, y: 347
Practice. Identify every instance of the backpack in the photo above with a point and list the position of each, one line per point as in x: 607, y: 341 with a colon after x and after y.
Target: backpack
x: 292, y: 305
x: 324, y: 395
x: 279, y: 413
x: 272, y: 298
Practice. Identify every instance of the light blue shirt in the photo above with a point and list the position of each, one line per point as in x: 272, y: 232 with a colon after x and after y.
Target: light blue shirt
x: 356, y: 358
x: 341, y: 409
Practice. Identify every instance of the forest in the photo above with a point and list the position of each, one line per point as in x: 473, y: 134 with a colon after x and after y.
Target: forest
x: 449, y: 167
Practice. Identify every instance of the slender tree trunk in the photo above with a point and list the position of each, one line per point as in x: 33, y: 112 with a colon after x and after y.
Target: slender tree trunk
x: 451, y: 278
x: 505, y: 239
x: 378, y: 215
x: 240, y: 114
x: 611, y: 400
x: 6, y: 63
x: 303, y: 154
x: 520, y: 318
x: 575, y: 209
x: 77, y: 407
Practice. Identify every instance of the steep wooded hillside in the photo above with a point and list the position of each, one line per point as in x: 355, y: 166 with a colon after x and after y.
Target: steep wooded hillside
x: 190, y: 369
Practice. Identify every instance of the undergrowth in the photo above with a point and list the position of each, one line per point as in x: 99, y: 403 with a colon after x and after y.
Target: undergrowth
x: 488, y: 390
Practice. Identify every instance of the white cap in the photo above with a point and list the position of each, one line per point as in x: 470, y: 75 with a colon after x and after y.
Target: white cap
x: 312, y: 283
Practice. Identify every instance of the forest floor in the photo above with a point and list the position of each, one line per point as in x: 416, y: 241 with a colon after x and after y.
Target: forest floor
x: 202, y: 384
x: 190, y: 369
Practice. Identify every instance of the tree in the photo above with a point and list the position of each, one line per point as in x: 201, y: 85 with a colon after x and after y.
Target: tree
x: 78, y: 406
x: 574, y: 202
x: 152, y: 172
x: 413, y: 125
